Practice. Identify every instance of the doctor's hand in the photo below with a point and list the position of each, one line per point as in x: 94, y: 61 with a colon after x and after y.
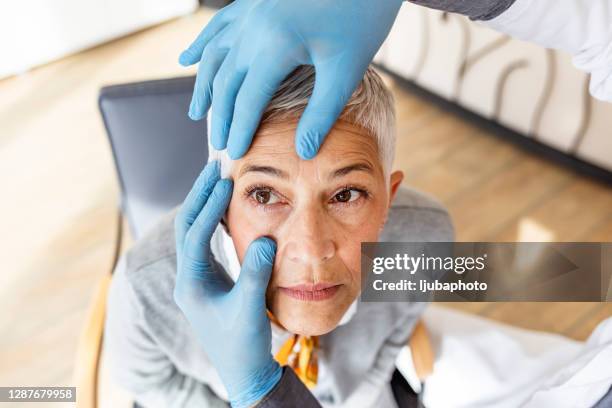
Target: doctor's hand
x: 250, y: 46
x: 228, y: 319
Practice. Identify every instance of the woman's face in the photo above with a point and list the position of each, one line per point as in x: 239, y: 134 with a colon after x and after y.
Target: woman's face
x: 318, y: 211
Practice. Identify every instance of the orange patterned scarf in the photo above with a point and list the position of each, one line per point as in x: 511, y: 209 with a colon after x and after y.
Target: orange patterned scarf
x: 299, y: 353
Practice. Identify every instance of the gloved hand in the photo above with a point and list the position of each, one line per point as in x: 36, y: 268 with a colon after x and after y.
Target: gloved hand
x: 229, y: 320
x: 250, y: 46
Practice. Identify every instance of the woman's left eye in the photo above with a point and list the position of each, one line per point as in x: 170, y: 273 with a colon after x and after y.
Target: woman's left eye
x: 347, y: 195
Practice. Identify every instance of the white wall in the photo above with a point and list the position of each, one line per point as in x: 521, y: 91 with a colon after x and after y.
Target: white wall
x: 34, y: 32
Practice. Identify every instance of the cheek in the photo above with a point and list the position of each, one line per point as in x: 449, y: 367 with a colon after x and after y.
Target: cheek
x: 246, y: 223
x: 363, y: 227
x: 349, y: 248
x: 367, y: 217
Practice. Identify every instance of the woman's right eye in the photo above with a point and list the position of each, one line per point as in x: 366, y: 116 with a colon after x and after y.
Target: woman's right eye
x: 265, y: 197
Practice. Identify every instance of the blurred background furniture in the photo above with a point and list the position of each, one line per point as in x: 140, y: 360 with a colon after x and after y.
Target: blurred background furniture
x: 535, y: 93
x: 158, y: 153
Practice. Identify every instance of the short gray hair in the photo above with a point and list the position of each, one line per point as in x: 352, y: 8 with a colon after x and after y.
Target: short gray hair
x: 371, y: 107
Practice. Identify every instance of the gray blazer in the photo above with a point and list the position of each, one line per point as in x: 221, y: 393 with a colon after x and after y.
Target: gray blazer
x: 153, y: 354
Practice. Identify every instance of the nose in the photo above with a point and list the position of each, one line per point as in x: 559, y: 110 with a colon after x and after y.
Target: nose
x: 309, y: 237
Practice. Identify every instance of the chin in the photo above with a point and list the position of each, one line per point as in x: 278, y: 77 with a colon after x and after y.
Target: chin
x: 308, y: 318
x: 309, y: 326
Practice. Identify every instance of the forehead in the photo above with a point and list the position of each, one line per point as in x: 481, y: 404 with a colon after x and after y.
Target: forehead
x: 274, y: 144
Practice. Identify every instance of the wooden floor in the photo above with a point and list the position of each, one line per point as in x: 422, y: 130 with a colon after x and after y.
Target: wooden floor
x: 59, y: 198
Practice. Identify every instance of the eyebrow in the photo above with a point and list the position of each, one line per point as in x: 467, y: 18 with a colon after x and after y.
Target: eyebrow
x: 269, y: 170
x: 343, y: 171
x: 273, y: 171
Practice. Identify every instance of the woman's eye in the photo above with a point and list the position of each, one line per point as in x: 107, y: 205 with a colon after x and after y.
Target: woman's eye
x: 348, y: 195
x: 265, y: 197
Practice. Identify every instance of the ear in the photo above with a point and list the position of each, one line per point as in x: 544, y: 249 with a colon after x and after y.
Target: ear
x: 396, y: 180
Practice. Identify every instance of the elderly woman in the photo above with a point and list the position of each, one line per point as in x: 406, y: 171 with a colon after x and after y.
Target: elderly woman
x: 287, y: 231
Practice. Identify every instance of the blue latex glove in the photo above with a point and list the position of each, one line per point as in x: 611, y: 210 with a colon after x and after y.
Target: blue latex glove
x: 229, y: 320
x: 250, y: 46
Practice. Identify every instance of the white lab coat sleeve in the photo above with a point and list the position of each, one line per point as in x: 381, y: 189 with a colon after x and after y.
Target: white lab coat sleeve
x: 582, y: 28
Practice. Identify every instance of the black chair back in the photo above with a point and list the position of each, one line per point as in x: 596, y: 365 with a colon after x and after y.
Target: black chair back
x: 158, y: 150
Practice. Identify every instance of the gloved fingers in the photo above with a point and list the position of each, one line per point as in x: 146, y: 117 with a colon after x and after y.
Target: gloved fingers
x: 197, y: 240
x: 329, y: 97
x: 195, y: 275
x: 194, y: 52
x: 211, y: 61
x: 226, y: 84
x: 261, y: 82
x: 195, y: 201
x: 256, y: 270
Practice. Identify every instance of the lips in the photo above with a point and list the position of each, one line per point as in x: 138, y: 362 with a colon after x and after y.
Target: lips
x: 311, y: 292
